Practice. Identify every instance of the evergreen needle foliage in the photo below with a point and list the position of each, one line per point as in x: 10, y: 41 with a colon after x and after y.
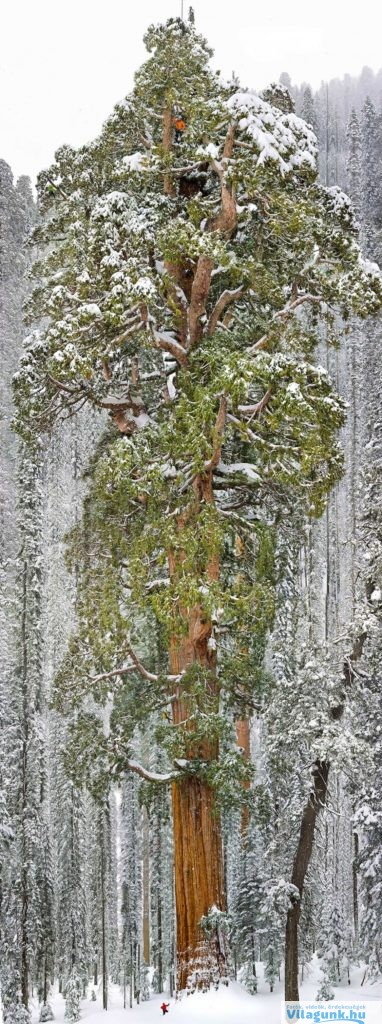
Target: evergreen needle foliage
x: 184, y: 279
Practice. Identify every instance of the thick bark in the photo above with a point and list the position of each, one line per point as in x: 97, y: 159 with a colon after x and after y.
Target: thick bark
x: 199, y: 882
x: 198, y: 853
x: 199, y: 295
x: 168, y: 181
x: 301, y: 863
x: 198, y: 850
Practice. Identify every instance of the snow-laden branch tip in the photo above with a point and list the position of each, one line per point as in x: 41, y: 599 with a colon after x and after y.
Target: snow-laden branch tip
x: 283, y: 314
x: 149, y: 776
x: 136, y: 666
x: 165, y: 341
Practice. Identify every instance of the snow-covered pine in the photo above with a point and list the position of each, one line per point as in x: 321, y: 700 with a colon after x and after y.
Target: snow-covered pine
x: 131, y: 890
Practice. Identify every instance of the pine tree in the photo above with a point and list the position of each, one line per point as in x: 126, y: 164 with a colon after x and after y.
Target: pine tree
x: 308, y: 109
x: 354, y: 162
x: 371, y: 177
x: 184, y: 272
x: 131, y: 885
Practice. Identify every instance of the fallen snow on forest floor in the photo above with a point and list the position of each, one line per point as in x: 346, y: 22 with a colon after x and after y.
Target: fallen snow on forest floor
x: 232, y: 1005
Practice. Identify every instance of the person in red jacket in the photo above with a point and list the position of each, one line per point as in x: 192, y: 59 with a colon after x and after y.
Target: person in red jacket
x: 164, y: 1008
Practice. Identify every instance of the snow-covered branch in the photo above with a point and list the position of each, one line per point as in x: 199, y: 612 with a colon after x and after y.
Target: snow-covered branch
x: 166, y: 342
x: 255, y: 410
x: 150, y: 776
x: 226, y: 298
x: 283, y: 314
x: 136, y: 666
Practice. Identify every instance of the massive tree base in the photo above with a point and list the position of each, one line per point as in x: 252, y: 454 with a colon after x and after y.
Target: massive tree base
x: 199, y: 886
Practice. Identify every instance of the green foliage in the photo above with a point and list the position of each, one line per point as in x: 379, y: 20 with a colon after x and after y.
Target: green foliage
x: 185, y: 507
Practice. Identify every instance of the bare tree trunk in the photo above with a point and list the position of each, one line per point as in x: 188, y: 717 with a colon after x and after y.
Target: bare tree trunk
x: 243, y: 739
x: 355, y: 885
x: 301, y: 863
x: 159, y: 925
x: 168, y: 182
x: 24, y: 964
x: 103, y: 917
x: 312, y: 809
x: 146, y: 888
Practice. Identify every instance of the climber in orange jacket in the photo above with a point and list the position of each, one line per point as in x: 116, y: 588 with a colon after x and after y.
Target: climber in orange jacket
x: 180, y: 127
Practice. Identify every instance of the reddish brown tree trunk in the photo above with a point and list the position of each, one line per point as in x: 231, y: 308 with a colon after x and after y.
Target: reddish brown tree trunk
x: 199, y: 883
x: 168, y: 181
x: 198, y: 849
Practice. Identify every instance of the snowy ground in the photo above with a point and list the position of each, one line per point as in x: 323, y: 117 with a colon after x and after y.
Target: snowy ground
x: 231, y: 1005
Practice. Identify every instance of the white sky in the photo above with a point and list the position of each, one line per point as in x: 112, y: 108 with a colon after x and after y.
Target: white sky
x: 64, y: 63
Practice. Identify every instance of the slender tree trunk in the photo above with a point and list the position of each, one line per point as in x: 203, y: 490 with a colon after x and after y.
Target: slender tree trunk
x: 146, y: 888
x: 355, y: 885
x: 103, y: 917
x: 24, y: 965
x: 138, y: 976
x: 160, y: 939
x: 301, y: 863
x: 316, y: 801
x: 243, y: 739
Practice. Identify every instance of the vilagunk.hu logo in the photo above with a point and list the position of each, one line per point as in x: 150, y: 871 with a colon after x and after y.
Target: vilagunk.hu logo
x: 368, y: 1012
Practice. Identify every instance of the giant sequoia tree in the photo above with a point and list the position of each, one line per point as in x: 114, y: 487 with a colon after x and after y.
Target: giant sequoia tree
x: 184, y: 280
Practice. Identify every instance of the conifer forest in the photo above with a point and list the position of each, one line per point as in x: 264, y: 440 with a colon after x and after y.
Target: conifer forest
x: 191, y: 552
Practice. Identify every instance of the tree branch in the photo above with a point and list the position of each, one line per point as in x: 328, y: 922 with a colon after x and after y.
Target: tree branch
x: 64, y: 387
x: 199, y: 295
x: 151, y: 676
x: 134, y: 766
x: 226, y: 298
x: 137, y: 666
x: 168, y: 344
x: 226, y: 219
x: 218, y: 435
x: 283, y: 314
x: 255, y: 410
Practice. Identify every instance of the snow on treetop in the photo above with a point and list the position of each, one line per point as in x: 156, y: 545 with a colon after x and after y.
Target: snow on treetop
x: 284, y: 138
x: 135, y: 162
x: 210, y: 150
x: 369, y: 268
x: 341, y: 202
